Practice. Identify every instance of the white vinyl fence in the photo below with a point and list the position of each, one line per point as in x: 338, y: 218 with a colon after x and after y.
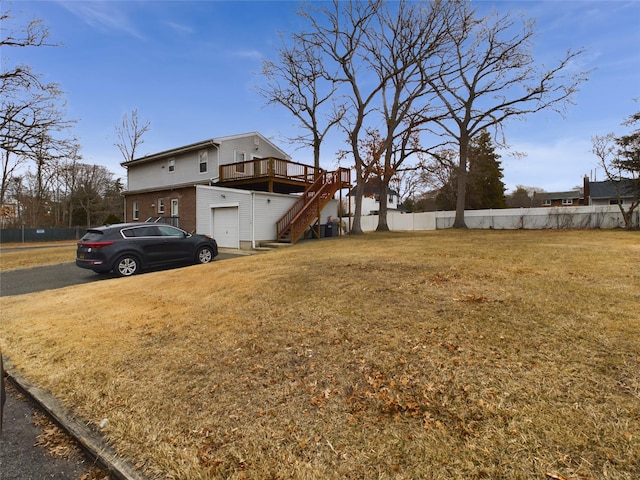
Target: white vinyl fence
x: 608, y: 216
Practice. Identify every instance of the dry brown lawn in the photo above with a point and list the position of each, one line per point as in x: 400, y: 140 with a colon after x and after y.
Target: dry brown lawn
x: 17, y: 256
x: 436, y: 355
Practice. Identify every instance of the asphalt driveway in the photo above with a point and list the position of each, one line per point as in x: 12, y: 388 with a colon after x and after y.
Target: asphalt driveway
x: 50, y: 277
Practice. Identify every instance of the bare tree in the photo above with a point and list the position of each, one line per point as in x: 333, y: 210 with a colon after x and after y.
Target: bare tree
x: 495, y: 77
x: 92, y: 185
x: 338, y: 32
x: 31, y: 112
x: 619, y: 157
x: 129, y: 135
x: 299, y: 83
x: 405, y: 51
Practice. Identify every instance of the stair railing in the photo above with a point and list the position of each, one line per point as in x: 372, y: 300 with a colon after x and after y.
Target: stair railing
x: 310, y: 204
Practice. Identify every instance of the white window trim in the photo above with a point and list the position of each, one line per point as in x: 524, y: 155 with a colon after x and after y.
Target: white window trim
x: 161, y: 205
x: 136, y: 210
x: 171, y: 165
x: 567, y: 201
x: 203, y: 154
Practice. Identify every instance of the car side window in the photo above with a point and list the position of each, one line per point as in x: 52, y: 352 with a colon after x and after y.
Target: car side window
x: 148, y: 231
x: 167, y: 231
x: 137, y: 232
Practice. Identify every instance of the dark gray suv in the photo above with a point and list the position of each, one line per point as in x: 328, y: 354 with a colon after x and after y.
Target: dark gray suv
x: 128, y: 248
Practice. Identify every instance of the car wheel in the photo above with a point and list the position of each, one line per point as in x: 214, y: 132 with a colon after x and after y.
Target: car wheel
x: 126, y: 266
x: 205, y: 255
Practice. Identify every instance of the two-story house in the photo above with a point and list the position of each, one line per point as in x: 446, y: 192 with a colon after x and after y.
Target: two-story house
x: 235, y: 188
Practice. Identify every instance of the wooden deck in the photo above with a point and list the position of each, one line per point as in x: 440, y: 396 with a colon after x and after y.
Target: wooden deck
x: 268, y: 175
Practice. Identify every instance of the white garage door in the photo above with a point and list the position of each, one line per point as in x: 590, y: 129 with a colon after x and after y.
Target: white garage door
x: 226, y: 226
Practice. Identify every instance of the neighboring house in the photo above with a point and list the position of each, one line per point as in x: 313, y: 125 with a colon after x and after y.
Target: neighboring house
x: 610, y: 192
x: 371, y: 199
x: 572, y: 198
x: 234, y: 188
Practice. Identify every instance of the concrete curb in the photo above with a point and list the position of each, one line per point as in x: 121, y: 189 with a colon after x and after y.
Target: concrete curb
x: 91, y: 442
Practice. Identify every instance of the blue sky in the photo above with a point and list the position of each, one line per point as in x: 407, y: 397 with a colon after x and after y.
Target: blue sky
x: 190, y: 68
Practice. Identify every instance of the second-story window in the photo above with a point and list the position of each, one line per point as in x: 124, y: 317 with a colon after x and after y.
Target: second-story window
x: 203, y: 161
x: 172, y: 165
x: 240, y: 158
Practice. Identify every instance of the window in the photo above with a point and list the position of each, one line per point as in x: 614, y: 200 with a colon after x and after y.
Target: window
x: 174, y: 207
x: 614, y: 201
x: 240, y: 157
x: 161, y: 205
x: 203, y: 161
x: 567, y: 201
x: 148, y: 231
x: 136, y: 211
x: 167, y: 231
x: 547, y: 203
x: 391, y: 199
x: 172, y: 165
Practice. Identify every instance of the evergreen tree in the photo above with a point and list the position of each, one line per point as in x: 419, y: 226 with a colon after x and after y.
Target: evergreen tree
x: 485, y: 188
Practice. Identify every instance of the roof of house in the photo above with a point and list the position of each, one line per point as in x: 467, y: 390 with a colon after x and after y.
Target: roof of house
x: 558, y: 195
x: 607, y: 189
x: 372, y: 187
x: 198, y: 146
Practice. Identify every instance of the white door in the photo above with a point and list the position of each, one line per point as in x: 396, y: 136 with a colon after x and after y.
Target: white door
x: 226, y: 226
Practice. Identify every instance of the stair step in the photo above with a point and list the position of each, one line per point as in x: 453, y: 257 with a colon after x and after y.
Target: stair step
x: 277, y: 244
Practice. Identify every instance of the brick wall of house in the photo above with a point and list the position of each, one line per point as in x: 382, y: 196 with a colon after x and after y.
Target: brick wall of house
x: 148, y: 206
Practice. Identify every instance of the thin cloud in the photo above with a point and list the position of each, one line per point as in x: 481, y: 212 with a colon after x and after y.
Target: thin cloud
x: 253, y: 54
x: 105, y: 16
x: 180, y: 28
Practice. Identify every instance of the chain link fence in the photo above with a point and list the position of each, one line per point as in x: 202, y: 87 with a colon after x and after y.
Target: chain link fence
x: 28, y: 235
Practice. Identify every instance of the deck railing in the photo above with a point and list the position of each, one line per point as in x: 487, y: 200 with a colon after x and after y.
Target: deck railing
x: 269, y: 168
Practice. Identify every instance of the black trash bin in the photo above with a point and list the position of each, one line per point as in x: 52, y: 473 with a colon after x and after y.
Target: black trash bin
x: 328, y: 229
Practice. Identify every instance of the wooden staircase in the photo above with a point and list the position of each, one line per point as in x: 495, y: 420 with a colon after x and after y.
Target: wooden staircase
x: 307, y: 209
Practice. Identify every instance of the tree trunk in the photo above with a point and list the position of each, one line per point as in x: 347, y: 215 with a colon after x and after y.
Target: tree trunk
x: 356, y: 227
x: 462, y: 184
x: 383, y: 226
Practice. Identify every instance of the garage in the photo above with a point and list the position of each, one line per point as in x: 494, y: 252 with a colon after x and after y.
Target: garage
x: 226, y: 226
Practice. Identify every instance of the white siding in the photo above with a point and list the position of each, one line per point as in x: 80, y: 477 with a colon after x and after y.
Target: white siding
x: 156, y: 174
x: 258, y: 212
x: 247, y: 144
x: 218, y: 197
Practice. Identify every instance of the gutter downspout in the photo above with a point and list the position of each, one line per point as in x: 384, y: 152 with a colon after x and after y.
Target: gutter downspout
x: 253, y: 220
